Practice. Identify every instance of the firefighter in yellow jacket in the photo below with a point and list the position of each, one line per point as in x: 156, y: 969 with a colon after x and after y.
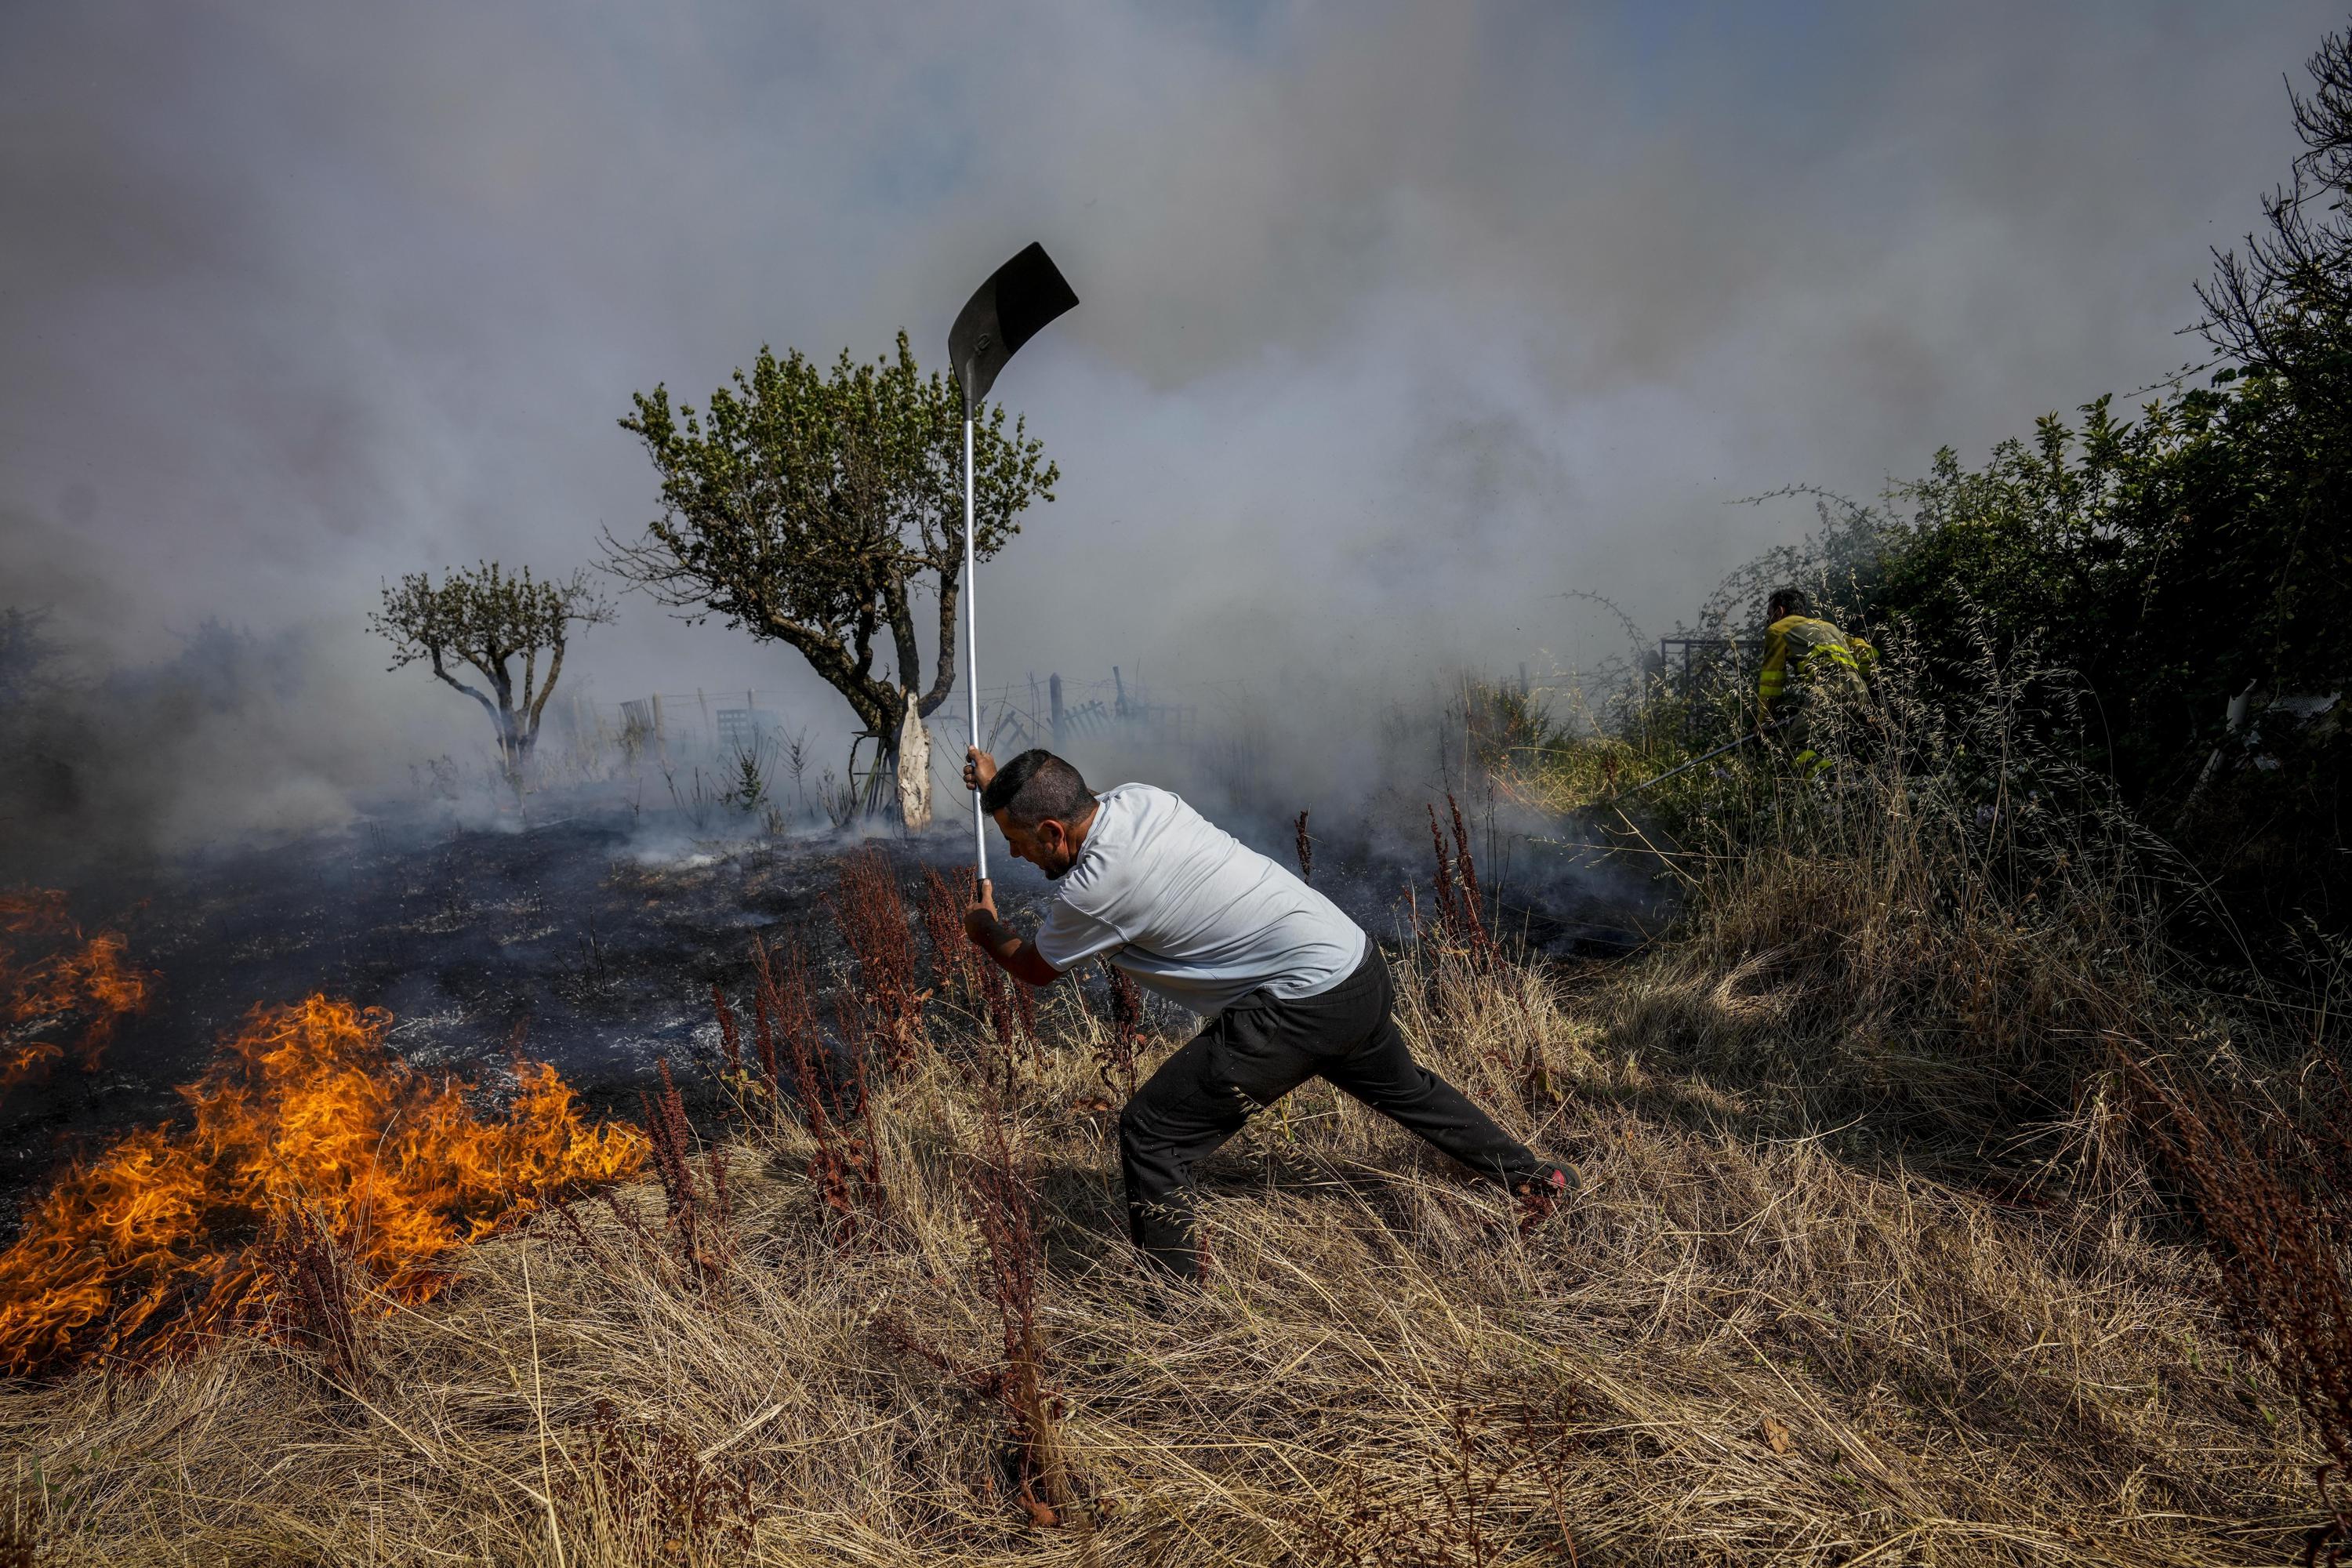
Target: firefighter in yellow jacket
x: 1808, y: 663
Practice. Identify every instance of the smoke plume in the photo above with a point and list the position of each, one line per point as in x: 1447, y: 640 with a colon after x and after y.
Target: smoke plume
x: 1399, y: 321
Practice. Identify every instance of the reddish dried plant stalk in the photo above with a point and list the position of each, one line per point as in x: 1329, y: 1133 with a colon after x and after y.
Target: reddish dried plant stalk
x: 1123, y: 1042
x: 699, y: 1223
x: 1460, y: 922
x: 998, y: 1195
x: 2273, y: 1189
x: 1025, y: 1004
x: 955, y: 962
x: 668, y: 1136
x: 660, y: 1492
x: 784, y: 1020
x: 1002, y: 1027
x: 845, y: 1168
x: 311, y: 1304
x: 1445, y: 875
x: 763, y: 1030
x: 1473, y: 920
x: 1471, y: 900
x: 872, y: 918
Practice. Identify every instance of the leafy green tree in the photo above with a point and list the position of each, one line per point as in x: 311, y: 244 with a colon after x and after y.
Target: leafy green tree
x: 808, y: 507
x: 484, y: 619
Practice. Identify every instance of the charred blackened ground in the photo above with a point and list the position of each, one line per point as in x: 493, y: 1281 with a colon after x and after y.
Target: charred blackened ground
x: 588, y: 939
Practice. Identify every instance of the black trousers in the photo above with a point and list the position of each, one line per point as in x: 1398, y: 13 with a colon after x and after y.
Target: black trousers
x: 1257, y: 1051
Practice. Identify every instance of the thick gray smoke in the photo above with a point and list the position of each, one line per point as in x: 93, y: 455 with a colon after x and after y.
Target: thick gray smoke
x: 1399, y: 321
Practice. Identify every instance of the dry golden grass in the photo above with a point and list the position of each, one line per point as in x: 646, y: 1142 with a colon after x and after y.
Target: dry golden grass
x: 1864, y: 1270
x: 1741, y: 1345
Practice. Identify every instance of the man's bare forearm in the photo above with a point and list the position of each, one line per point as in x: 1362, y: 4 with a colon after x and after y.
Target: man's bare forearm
x: 1016, y: 957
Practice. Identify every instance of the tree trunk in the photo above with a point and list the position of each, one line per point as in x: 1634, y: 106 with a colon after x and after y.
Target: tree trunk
x: 514, y: 752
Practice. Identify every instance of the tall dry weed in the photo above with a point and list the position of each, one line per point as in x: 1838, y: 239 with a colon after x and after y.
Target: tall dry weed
x: 312, y: 1302
x: 955, y: 962
x: 2272, y: 1186
x: 833, y: 1103
x: 1123, y: 1040
x: 1461, y: 921
x: 1004, y: 1026
x: 700, y: 1214
x: 872, y: 917
x: 998, y: 1195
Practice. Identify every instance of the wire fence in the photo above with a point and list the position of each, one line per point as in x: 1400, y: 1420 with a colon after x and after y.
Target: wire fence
x: 1052, y: 711
x: 1710, y: 676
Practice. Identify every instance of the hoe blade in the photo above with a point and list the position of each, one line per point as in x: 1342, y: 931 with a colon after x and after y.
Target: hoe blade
x: 1018, y: 298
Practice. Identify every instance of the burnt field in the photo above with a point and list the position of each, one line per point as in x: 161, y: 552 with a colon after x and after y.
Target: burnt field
x: 587, y: 938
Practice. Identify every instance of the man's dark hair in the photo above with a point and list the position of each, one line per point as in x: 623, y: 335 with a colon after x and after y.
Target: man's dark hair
x: 1036, y: 785
x: 1789, y: 602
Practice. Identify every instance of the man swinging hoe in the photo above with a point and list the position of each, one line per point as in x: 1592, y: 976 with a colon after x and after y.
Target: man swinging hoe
x: 1291, y: 987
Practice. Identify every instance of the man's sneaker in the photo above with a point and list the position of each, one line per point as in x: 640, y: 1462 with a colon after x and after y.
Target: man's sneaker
x: 1539, y: 1196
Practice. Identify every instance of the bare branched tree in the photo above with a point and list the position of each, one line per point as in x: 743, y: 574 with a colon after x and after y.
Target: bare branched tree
x: 807, y: 506
x: 485, y: 619
x: 2283, y: 307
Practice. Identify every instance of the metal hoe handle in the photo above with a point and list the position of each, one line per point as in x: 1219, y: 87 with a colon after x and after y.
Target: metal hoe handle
x: 972, y: 650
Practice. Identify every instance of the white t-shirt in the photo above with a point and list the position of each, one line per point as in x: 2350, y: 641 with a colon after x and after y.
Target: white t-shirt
x: 1191, y: 911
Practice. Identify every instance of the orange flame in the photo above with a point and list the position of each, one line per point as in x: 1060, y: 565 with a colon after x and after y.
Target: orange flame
x: 306, y: 1119
x: 69, y: 999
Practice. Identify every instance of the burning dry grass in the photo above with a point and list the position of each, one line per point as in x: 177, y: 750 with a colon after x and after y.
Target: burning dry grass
x: 1736, y: 1347
x: 62, y: 994
x: 312, y: 1145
